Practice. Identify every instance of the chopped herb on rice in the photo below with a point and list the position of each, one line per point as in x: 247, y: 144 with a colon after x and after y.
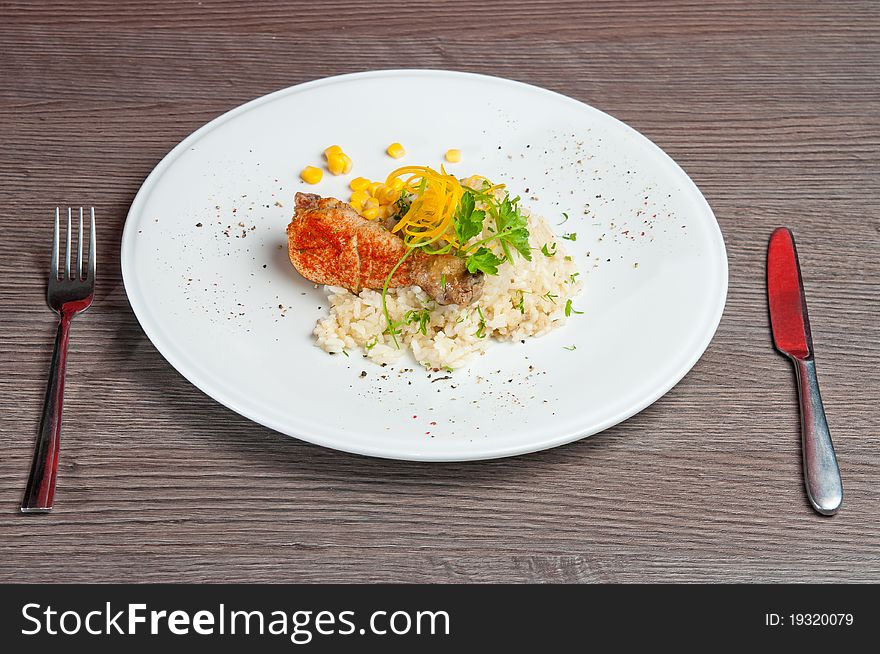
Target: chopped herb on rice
x: 518, y: 302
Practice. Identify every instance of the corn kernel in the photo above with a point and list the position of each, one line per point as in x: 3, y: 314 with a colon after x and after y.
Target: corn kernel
x: 347, y: 164
x: 336, y: 164
x: 371, y: 214
x: 397, y: 184
x: 395, y: 151
x: 371, y: 203
x: 373, y: 187
x: 359, y: 197
x: 453, y: 156
x: 333, y: 149
x: 311, y: 175
x: 388, y: 195
x: 359, y: 184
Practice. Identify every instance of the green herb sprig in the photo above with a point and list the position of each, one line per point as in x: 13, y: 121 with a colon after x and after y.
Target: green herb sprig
x: 548, y: 253
x: 508, y: 229
x: 481, y: 328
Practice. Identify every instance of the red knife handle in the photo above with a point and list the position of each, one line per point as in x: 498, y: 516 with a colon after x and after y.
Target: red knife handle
x: 821, y: 473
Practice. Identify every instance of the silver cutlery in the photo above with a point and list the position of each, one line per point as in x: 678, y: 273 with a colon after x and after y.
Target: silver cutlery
x: 791, y: 335
x: 68, y: 295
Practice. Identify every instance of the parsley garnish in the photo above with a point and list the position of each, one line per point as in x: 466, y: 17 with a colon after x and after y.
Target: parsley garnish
x: 467, y: 220
x: 546, y: 252
x: 570, y: 348
x: 510, y: 230
x: 369, y: 345
x: 521, y: 305
x: 572, y: 277
x: 410, y: 317
x: 570, y: 237
x: 565, y: 217
x: 569, y: 310
x: 421, y: 317
x: 402, y: 205
x: 392, y: 327
x: 481, y: 329
x: 483, y: 260
x: 550, y: 296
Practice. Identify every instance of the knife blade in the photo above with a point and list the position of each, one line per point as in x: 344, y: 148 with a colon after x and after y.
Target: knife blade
x: 790, y: 324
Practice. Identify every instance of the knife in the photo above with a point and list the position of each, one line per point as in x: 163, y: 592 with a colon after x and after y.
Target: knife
x: 791, y: 335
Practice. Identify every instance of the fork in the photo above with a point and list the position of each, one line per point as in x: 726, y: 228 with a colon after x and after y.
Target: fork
x: 68, y: 296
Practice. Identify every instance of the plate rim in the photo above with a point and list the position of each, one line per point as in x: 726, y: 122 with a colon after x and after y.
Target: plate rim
x: 217, y: 393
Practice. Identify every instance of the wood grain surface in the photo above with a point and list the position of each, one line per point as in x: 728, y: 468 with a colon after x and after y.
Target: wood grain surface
x: 774, y: 110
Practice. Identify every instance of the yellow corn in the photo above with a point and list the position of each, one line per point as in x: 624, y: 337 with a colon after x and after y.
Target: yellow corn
x: 311, y: 175
x: 335, y: 163
x: 359, y: 197
x: 333, y: 149
x: 359, y: 184
x: 371, y: 214
x: 339, y: 164
x: 388, y: 195
x: 373, y: 187
x: 371, y: 203
x: 453, y: 156
x: 395, y: 151
x: 397, y: 184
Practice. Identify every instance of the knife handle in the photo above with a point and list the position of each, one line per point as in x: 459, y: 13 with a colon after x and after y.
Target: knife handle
x: 821, y: 474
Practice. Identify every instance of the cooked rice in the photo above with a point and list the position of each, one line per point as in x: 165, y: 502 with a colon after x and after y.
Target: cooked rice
x: 525, y: 298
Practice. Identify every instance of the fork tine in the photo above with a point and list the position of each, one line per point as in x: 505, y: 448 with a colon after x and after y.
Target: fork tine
x: 54, y: 266
x: 92, y: 241
x: 79, y: 243
x: 67, y: 253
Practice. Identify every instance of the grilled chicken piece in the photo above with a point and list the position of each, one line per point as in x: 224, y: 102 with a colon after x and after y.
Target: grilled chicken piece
x: 329, y: 243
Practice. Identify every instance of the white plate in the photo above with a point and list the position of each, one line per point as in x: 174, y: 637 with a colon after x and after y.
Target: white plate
x: 208, y: 296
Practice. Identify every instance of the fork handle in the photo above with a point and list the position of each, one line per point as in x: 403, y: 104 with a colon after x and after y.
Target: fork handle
x: 40, y: 491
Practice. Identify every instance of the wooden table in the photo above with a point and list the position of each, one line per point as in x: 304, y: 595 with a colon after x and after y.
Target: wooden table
x: 773, y: 108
